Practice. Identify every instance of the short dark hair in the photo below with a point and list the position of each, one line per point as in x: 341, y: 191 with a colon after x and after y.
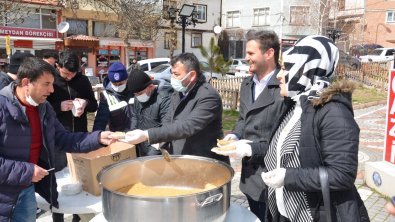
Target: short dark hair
x: 190, y: 61
x: 50, y: 54
x: 69, y: 60
x: 267, y: 39
x: 32, y: 68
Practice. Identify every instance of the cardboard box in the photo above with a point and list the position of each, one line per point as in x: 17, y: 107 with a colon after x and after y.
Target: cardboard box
x: 84, y: 167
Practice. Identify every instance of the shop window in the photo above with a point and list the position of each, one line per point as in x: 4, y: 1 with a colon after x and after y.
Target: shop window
x: 77, y: 27
x: 196, y: 40
x: 138, y: 53
x: 201, y: 12
x: 103, y: 29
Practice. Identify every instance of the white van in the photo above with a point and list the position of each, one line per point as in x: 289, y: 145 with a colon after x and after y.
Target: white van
x: 148, y: 64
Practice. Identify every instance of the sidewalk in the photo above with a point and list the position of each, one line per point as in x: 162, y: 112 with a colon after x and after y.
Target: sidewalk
x: 371, y: 121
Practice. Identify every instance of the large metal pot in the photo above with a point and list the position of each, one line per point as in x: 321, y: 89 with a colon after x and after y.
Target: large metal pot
x: 181, y: 171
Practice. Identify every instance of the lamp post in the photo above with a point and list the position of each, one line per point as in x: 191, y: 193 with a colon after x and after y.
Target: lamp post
x: 333, y: 33
x: 377, y: 28
x: 186, y: 16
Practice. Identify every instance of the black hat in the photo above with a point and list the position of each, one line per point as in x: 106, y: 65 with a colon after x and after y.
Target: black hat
x: 138, y: 81
x: 16, y: 60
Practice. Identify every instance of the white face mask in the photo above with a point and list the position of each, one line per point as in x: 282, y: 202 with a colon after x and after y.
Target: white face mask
x: 177, y: 84
x: 143, y: 97
x: 120, y: 88
x: 30, y: 100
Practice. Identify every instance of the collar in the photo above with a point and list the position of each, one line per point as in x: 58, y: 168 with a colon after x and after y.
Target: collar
x: 265, y: 79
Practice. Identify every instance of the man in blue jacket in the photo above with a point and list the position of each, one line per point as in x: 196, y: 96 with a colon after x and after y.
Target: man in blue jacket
x: 29, y: 135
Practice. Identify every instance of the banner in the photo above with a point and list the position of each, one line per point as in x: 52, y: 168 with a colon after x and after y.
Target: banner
x: 389, y: 151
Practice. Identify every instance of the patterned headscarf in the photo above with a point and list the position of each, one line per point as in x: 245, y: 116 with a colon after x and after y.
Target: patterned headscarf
x: 310, y: 65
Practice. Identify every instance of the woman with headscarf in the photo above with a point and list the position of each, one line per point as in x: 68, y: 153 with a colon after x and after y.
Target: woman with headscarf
x: 319, y: 131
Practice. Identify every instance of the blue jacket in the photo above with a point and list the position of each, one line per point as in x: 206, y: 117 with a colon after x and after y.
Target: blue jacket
x: 117, y: 120
x: 15, y: 138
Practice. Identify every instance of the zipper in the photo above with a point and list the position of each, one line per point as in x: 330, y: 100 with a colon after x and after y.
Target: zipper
x: 49, y: 158
x: 72, y: 117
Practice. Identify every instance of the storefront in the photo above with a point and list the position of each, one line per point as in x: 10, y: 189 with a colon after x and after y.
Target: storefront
x: 35, y: 41
x: 84, y: 46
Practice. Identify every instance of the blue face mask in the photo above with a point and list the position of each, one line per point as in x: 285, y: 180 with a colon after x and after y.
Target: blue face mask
x: 177, y: 84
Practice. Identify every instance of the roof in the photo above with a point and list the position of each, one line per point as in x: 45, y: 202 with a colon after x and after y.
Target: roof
x: 83, y: 38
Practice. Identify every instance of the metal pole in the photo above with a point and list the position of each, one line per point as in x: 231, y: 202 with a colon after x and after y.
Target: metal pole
x: 184, y: 24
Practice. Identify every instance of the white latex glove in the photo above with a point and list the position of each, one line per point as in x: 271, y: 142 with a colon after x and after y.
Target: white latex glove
x: 79, y: 105
x: 136, y: 136
x: 241, y: 148
x: 231, y: 136
x: 274, y: 178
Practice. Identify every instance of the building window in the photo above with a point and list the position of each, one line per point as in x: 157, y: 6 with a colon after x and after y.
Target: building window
x: 233, y: 19
x: 201, y: 12
x: 103, y: 29
x: 261, y: 16
x: 196, y: 40
x: 38, y: 18
x: 390, y: 16
x: 237, y: 49
x: 299, y: 15
x: 167, y: 40
x: 77, y: 27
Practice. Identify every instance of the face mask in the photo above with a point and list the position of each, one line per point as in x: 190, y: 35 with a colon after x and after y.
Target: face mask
x: 30, y: 100
x: 177, y: 84
x: 143, y: 97
x: 120, y: 88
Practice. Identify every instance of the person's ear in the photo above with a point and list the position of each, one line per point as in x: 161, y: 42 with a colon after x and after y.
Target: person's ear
x: 24, y: 82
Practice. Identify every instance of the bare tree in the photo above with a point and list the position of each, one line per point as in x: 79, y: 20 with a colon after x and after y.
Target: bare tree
x: 134, y: 19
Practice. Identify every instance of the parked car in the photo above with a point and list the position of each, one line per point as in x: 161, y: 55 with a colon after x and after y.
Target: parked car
x: 242, y: 71
x: 363, y: 49
x: 208, y: 73
x: 379, y: 54
x: 349, y: 60
x: 148, y: 64
x: 235, y: 63
x: 162, y: 71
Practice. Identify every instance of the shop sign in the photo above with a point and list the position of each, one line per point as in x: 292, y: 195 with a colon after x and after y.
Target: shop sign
x: 23, y: 44
x: 389, y: 152
x: 25, y: 32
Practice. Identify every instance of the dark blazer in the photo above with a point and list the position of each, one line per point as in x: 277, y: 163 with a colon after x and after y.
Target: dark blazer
x: 194, y: 122
x: 257, y: 122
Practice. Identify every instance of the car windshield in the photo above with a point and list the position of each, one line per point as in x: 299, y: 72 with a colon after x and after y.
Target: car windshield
x: 159, y: 68
x: 376, y: 52
x: 244, y: 62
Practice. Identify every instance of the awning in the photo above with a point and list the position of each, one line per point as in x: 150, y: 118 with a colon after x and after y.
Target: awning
x: 81, y: 41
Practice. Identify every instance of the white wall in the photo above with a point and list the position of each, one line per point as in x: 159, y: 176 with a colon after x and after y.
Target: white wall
x: 213, y: 17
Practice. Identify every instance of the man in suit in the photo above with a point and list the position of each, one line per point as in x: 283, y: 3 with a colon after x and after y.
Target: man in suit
x: 194, y: 120
x: 261, y: 107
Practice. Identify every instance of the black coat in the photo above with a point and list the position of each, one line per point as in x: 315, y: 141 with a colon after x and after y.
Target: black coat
x: 193, y: 123
x: 257, y: 122
x: 5, y: 80
x: 148, y: 115
x: 329, y: 137
x: 78, y: 87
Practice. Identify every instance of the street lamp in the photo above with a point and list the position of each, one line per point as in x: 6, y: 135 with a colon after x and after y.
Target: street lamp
x: 333, y: 33
x: 377, y: 28
x: 186, y: 16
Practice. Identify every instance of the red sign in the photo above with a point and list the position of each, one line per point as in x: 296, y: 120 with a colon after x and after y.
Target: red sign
x: 23, y: 44
x: 389, y: 152
x: 24, y: 32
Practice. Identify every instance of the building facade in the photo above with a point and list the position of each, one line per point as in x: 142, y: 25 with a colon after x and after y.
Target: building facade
x: 208, y: 16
